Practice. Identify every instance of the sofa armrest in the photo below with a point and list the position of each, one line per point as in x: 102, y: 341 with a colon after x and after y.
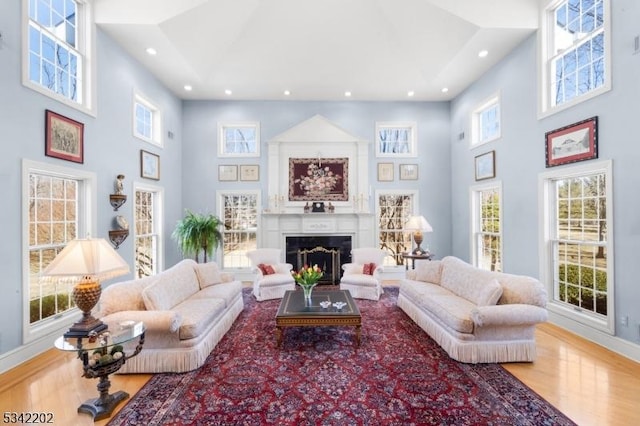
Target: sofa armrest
x: 512, y: 314
x: 411, y: 274
x: 159, y: 321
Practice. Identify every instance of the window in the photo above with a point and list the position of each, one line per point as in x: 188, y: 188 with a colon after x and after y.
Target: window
x: 239, y: 139
x: 578, y: 244
x: 575, y: 49
x: 396, y: 139
x: 394, y: 209
x: 486, y: 205
x: 57, y: 205
x: 148, y: 226
x: 240, y: 233
x: 57, y: 50
x: 485, y: 122
x: 146, y: 121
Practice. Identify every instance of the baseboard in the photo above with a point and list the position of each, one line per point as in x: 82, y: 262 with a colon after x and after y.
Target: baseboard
x: 620, y: 346
x: 19, y: 355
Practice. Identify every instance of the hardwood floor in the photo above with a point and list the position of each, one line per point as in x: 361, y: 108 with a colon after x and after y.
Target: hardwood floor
x: 590, y: 384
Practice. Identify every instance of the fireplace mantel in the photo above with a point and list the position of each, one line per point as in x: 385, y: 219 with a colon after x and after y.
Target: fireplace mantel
x: 275, y: 227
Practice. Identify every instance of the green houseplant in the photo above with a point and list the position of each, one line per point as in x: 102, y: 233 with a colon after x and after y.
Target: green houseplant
x: 197, y: 233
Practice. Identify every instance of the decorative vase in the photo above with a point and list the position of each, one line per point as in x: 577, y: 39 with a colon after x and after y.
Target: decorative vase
x: 307, y: 290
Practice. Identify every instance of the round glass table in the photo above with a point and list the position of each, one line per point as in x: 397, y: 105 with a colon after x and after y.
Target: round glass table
x: 104, y: 354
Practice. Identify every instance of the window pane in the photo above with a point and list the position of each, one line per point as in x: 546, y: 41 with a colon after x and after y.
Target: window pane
x: 240, y: 218
x: 393, y: 212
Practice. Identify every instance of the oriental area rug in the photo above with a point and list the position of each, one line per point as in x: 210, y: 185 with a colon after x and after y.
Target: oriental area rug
x: 398, y: 376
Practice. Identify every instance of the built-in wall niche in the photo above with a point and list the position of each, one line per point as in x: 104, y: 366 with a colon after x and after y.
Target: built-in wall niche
x: 317, y: 138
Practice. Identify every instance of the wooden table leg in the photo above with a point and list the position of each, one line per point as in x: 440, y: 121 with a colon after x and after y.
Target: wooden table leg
x: 358, y: 337
x: 278, y: 336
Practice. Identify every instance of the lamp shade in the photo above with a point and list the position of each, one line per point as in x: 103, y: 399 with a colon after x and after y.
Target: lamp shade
x: 418, y: 223
x: 88, y: 257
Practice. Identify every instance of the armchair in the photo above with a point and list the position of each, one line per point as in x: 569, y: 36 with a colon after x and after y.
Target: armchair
x: 362, y: 276
x: 272, y: 277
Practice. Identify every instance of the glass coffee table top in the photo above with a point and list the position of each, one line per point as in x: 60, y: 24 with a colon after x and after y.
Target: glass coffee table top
x: 337, y: 302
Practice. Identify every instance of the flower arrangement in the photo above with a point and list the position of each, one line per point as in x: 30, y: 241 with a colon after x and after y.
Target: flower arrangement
x: 308, y: 275
x: 319, y: 180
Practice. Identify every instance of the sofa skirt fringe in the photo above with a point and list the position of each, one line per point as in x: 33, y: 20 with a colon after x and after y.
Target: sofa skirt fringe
x: 180, y: 360
x: 470, y: 351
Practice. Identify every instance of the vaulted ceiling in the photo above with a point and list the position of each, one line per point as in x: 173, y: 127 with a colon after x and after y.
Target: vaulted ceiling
x: 379, y: 50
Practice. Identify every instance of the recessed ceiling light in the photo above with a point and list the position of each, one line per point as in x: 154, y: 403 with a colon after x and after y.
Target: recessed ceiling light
x: 287, y: 93
x: 483, y: 53
x: 228, y: 92
x: 410, y: 93
x: 347, y: 94
x: 151, y: 51
x: 445, y: 89
x: 188, y: 87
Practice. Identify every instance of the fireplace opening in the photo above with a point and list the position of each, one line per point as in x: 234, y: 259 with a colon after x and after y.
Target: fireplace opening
x: 328, y: 252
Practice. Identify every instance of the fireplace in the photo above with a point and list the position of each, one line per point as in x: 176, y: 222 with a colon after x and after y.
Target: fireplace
x: 328, y: 252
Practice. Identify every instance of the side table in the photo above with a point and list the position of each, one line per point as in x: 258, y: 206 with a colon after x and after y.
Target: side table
x: 101, y: 347
x: 413, y: 257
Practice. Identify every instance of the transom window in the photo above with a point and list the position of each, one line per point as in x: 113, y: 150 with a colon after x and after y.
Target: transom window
x: 393, y: 210
x: 57, y: 50
x: 57, y: 205
x: 576, y: 49
x: 578, y: 255
x: 148, y: 225
x: 487, y: 227
x: 239, y: 139
x: 240, y: 233
x: 146, y: 120
x: 486, y: 122
x: 396, y: 139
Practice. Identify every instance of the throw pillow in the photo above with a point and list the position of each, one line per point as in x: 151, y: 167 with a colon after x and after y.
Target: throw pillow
x: 208, y: 274
x: 368, y: 268
x: 266, y: 269
x: 428, y: 271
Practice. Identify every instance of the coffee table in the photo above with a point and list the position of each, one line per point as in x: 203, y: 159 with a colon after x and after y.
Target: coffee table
x: 294, y: 311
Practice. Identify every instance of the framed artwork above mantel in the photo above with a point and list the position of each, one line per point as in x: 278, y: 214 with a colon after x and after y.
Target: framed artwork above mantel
x: 312, y: 179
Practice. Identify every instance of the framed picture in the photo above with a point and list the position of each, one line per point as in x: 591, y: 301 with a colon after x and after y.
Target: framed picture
x: 149, y: 165
x: 313, y: 179
x: 577, y: 142
x: 227, y: 172
x: 408, y: 171
x: 486, y: 165
x: 64, y: 137
x: 249, y: 172
x: 385, y: 172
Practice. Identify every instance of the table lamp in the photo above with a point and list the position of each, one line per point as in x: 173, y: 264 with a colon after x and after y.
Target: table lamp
x: 418, y: 224
x: 88, y: 261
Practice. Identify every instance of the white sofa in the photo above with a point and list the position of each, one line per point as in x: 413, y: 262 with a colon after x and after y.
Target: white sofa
x: 186, y: 310
x: 476, y: 316
x: 363, y: 285
x: 273, y: 285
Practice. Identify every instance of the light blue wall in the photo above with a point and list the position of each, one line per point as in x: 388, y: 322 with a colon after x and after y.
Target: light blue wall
x: 201, y: 118
x: 520, y: 158
x: 110, y: 149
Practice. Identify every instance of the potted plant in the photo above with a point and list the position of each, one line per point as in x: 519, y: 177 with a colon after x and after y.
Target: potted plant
x: 197, y: 233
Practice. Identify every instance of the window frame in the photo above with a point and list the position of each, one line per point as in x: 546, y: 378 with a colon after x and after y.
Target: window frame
x: 85, y: 47
x: 220, y: 197
x: 476, y: 216
x: 547, y: 197
x: 222, y: 126
x: 414, y: 194
x: 157, y: 224
x: 477, y: 122
x: 87, y: 191
x: 410, y: 126
x: 156, y: 120
x: 546, y: 78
